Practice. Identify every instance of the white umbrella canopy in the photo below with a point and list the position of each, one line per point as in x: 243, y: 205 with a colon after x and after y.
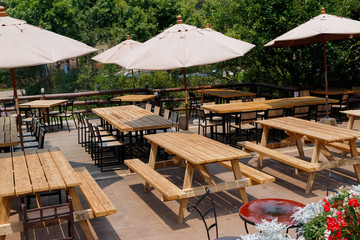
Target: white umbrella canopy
x: 179, y: 46
x: 319, y: 29
x: 114, y: 53
x: 24, y: 45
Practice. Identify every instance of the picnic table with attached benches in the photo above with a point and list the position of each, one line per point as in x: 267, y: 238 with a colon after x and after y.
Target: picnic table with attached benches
x: 8, y: 132
x: 44, y: 170
x: 195, y: 151
x: 321, y: 135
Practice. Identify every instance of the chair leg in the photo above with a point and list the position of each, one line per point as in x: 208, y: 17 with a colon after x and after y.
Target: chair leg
x: 67, y: 123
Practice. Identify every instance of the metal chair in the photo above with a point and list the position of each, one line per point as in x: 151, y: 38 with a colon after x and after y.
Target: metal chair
x: 343, y: 105
x: 194, y: 103
x: 207, y: 211
x: 245, y: 121
x: 205, y: 123
x: 320, y: 111
x: 302, y: 112
x: 38, y: 215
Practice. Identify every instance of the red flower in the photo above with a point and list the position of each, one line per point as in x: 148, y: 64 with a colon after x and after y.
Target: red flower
x: 353, y: 202
x: 326, y: 205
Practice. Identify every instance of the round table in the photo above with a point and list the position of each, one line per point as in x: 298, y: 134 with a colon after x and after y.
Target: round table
x: 269, y: 208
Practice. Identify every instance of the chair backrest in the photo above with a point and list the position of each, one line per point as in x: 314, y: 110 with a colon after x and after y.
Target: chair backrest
x: 236, y: 101
x: 55, y: 212
x: 167, y: 113
x: 201, y: 114
x: 92, y: 131
x: 182, y: 122
x: 148, y: 107
x: 248, y: 99
x: 41, y: 138
x: 302, y: 112
x: 208, y: 103
x: 157, y: 110
x: 344, y: 99
x: 207, y: 211
x: 69, y: 105
x: 304, y: 93
x: 7, y: 105
x: 321, y: 110
x: 248, y: 117
x: 274, y: 113
x: 98, y: 135
x: 259, y: 99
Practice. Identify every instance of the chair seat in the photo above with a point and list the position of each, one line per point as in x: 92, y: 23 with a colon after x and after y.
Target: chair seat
x: 112, y: 144
x: 54, y: 112
x: 215, y: 119
x: 246, y: 126
x: 210, y: 124
x: 63, y: 115
x: 29, y: 139
x: 339, y: 106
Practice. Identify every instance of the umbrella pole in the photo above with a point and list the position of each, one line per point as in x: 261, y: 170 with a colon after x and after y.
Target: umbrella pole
x: 202, y: 90
x: 186, y: 101
x: 132, y: 73
x: 17, y: 109
x: 326, y: 80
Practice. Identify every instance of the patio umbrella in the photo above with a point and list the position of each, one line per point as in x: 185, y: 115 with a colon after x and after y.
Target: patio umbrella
x: 179, y: 46
x: 117, y: 51
x: 24, y: 45
x: 319, y: 29
x: 238, y: 45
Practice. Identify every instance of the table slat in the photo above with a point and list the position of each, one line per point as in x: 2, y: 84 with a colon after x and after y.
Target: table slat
x: 6, y: 176
x: 21, y: 174
x: 37, y: 176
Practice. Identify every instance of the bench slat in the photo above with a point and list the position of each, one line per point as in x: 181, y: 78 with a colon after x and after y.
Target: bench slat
x: 256, y: 176
x: 95, y: 189
x: 292, y: 161
x: 169, y: 190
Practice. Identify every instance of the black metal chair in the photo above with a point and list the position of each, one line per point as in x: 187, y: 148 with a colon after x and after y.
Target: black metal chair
x: 245, y: 121
x: 302, y: 112
x: 38, y: 215
x: 194, y: 103
x: 207, y: 211
x: 320, y: 111
x: 205, y: 123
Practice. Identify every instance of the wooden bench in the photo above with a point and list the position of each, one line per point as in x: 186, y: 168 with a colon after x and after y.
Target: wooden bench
x: 170, y: 191
x: 282, y: 157
x: 256, y: 176
x: 342, y: 146
x: 96, y: 198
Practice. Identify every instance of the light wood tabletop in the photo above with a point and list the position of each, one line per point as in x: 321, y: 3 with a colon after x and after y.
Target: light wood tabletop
x: 267, y: 104
x: 226, y: 93
x: 197, y: 151
x: 352, y: 115
x: 321, y: 135
x: 42, y: 103
x: 8, y: 132
x: 132, y: 118
x: 134, y: 98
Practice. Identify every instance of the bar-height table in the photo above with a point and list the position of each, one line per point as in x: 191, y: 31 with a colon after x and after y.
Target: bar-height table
x: 44, y: 104
x: 230, y: 108
x: 8, y: 132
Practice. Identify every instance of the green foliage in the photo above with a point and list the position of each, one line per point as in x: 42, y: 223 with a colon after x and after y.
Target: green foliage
x: 315, y: 228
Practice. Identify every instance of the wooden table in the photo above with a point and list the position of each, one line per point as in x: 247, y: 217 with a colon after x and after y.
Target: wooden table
x: 133, y: 98
x: 226, y: 93
x: 33, y: 172
x: 197, y: 151
x: 8, y: 132
x: 321, y: 135
x: 44, y: 104
x: 352, y: 115
x: 230, y: 108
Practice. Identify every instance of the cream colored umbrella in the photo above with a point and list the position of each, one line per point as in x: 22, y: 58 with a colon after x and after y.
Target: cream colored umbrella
x: 112, y: 54
x: 24, y: 45
x: 179, y: 46
x: 320, y: 29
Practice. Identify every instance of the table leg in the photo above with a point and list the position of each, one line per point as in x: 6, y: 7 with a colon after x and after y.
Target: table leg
x: 5, y: 207
x: 351, y: 121
x: 354, y: 153
x: 263, y: 143
x: 237, y: 175
x: 152, y: 159
x: 189, y: 174
x: 300, y: 147
x: 314, y: 159
x: 84, y: 224
x: 205, y: 174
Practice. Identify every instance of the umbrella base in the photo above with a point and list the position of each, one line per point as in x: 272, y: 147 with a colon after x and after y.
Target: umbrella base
x: 328, y: 121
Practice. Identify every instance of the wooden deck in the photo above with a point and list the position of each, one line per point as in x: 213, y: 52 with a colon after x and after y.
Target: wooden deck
x: 153, y: 219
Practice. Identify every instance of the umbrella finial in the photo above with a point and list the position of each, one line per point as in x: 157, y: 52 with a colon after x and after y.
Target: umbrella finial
x: 322, y: 10
x: 128, y: 37
x: 2, y: 12
x: 207, y: 25
x: 178, y: 19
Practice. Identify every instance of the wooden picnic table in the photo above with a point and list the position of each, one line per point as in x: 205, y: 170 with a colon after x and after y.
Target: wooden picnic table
x: 34, y: 172
x: 8, y: 132
x: 44, y: 105
x: 133, y: 98
x: 352, y: 115
x: 132, y: 118
x: 321, y: 135
x: 195, y: 151
x: 226, y: 93
x: 230, y: 108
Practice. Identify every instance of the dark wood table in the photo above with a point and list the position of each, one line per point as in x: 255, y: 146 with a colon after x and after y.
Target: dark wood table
x: 268, y: 209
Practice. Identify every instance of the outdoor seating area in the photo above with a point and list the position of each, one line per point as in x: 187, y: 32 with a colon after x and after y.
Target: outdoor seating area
x: 254, y: 160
